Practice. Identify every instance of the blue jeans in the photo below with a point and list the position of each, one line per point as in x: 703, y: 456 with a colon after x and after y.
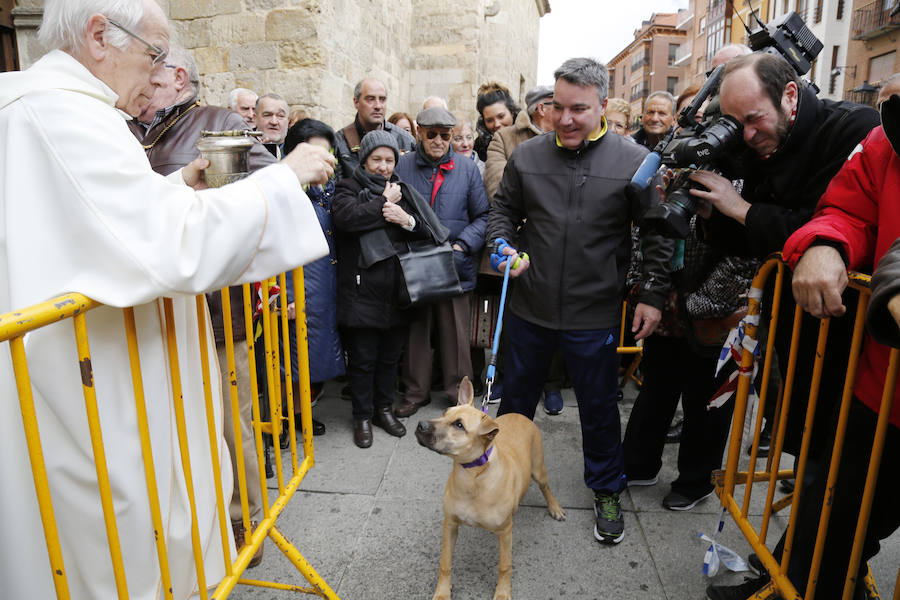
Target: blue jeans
x: 592, y: 363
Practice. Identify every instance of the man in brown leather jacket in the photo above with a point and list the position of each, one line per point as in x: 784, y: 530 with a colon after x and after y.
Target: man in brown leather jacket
x: 168, y: 128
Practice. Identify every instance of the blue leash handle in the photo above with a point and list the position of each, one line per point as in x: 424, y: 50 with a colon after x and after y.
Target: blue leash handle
x: 495, y: 345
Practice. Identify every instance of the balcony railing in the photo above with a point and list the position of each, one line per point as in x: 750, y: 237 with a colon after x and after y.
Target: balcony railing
x: 874, y: 19
x: 685, y: 20
x: 683, y: 54
x: 639, y: 94
x: 640, y: 62
x: 864, y: 94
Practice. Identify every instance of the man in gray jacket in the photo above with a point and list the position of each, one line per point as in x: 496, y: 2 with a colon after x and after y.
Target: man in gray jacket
x: 566, y: 190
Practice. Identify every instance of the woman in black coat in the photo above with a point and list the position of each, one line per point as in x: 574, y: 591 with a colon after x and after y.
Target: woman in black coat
x: 375, y: 215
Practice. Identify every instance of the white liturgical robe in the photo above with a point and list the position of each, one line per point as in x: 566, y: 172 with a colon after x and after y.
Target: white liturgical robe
x: 81, y: 211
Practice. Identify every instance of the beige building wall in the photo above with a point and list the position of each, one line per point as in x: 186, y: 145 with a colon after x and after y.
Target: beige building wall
x: 313, y: 52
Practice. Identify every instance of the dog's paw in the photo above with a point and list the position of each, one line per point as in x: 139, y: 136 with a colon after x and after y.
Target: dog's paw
x: 504, y: 595
x: 556, y: 511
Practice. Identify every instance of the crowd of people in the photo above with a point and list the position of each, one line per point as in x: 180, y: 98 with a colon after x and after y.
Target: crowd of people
x: 491, y: 179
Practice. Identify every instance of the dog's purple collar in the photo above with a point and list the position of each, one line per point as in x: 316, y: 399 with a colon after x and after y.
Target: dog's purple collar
x: 481, y: 460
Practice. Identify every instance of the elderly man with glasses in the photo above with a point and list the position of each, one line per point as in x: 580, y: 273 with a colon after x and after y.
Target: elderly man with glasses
x: 453, y: 186
x: 84, y: 212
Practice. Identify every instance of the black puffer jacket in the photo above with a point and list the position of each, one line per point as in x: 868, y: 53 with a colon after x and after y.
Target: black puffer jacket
x: 785, y: 189
x: 575, y: 223
x: 368, y: 296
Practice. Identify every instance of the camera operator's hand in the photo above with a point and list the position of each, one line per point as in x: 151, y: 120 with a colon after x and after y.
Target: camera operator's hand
x: 819, y: 280
x: 894, y: 308
x: 721, y: 195
x: 646, y: 318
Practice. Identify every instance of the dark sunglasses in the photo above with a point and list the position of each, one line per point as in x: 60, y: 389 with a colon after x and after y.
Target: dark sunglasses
x: 431, y: 134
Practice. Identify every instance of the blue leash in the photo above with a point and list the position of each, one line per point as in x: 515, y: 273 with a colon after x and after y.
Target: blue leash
x: 495, y: 345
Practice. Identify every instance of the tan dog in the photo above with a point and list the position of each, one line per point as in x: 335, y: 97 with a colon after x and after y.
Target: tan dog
x: 494, y: 461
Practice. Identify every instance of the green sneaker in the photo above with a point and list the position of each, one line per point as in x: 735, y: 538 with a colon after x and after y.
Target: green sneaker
x: 610, y: 526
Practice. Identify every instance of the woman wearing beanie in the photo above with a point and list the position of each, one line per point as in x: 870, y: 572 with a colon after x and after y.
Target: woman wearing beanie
x: 375, y: 215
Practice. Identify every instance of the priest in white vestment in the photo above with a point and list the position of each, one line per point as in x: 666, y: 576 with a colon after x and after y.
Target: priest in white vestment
x: 82, y: 211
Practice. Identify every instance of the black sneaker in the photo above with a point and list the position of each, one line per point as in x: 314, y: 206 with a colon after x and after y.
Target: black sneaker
x: 756, y: 565
x: 610, y: 526
x: 765, y: 443
x: 678, y: 501
x: 742, y: 591
x: 673, y: 435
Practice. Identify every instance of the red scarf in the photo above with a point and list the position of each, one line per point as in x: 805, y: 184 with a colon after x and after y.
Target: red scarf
x: 438, y: 179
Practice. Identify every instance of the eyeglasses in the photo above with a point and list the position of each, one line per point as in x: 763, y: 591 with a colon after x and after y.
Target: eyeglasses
x: 158, y: 54
x: 431, y: 134
x: 459, y: 139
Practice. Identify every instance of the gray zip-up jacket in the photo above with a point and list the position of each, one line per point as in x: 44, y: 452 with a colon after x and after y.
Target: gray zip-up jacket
x: 575, y: 221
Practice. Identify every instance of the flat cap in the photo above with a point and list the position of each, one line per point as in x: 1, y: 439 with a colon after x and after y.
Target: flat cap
x: 536, y: 94
x: 436, y: 116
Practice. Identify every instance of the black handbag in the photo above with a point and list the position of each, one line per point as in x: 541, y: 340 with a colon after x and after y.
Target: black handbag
x: 429, y: 273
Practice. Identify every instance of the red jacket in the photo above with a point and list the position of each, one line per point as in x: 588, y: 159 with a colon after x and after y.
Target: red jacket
x: 861, y: 211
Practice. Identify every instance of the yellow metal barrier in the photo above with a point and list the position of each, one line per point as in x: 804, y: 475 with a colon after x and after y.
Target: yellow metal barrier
x: 13, y: 329
x: 726, y: 481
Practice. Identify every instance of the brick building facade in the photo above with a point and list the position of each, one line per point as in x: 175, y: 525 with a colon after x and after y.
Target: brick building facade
x: 648, y: 63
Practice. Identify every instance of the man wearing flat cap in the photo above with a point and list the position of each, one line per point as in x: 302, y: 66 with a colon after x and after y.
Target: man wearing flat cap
x: 455, y: 191
x: 534, y: 120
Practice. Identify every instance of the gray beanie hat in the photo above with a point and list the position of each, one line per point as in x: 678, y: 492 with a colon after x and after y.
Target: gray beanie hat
x: 376, y: 139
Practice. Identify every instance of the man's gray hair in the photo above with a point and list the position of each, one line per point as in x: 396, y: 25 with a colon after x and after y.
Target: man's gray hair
x: 233, y: 96
x: 64, y: 21
x: 661, y: 94
x: 585, y: 72
x: 357, y: 89
x: 271, y: 95
x: 180, y: 57
x: 743, y: 49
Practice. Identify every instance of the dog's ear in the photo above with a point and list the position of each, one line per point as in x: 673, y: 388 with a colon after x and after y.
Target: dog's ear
x: 488, y: 429
x: 466, y: 392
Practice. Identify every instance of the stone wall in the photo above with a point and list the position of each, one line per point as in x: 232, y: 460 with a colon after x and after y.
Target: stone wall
x: 313, y: 52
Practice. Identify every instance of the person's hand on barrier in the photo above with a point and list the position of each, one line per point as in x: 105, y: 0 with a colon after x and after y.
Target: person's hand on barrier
x: 392, y: 213
x: 646, y: 318
x: 392, y: 192
x: 894, y: 308
x: 311, y: 164
x: 721, y: 195
x: 819, y: 280
x: 192, y: 173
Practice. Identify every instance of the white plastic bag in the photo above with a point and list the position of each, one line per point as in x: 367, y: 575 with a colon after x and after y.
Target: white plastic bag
x: 717, y: 554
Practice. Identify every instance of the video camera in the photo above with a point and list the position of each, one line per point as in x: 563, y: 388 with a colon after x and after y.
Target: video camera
x: 707, y: 145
